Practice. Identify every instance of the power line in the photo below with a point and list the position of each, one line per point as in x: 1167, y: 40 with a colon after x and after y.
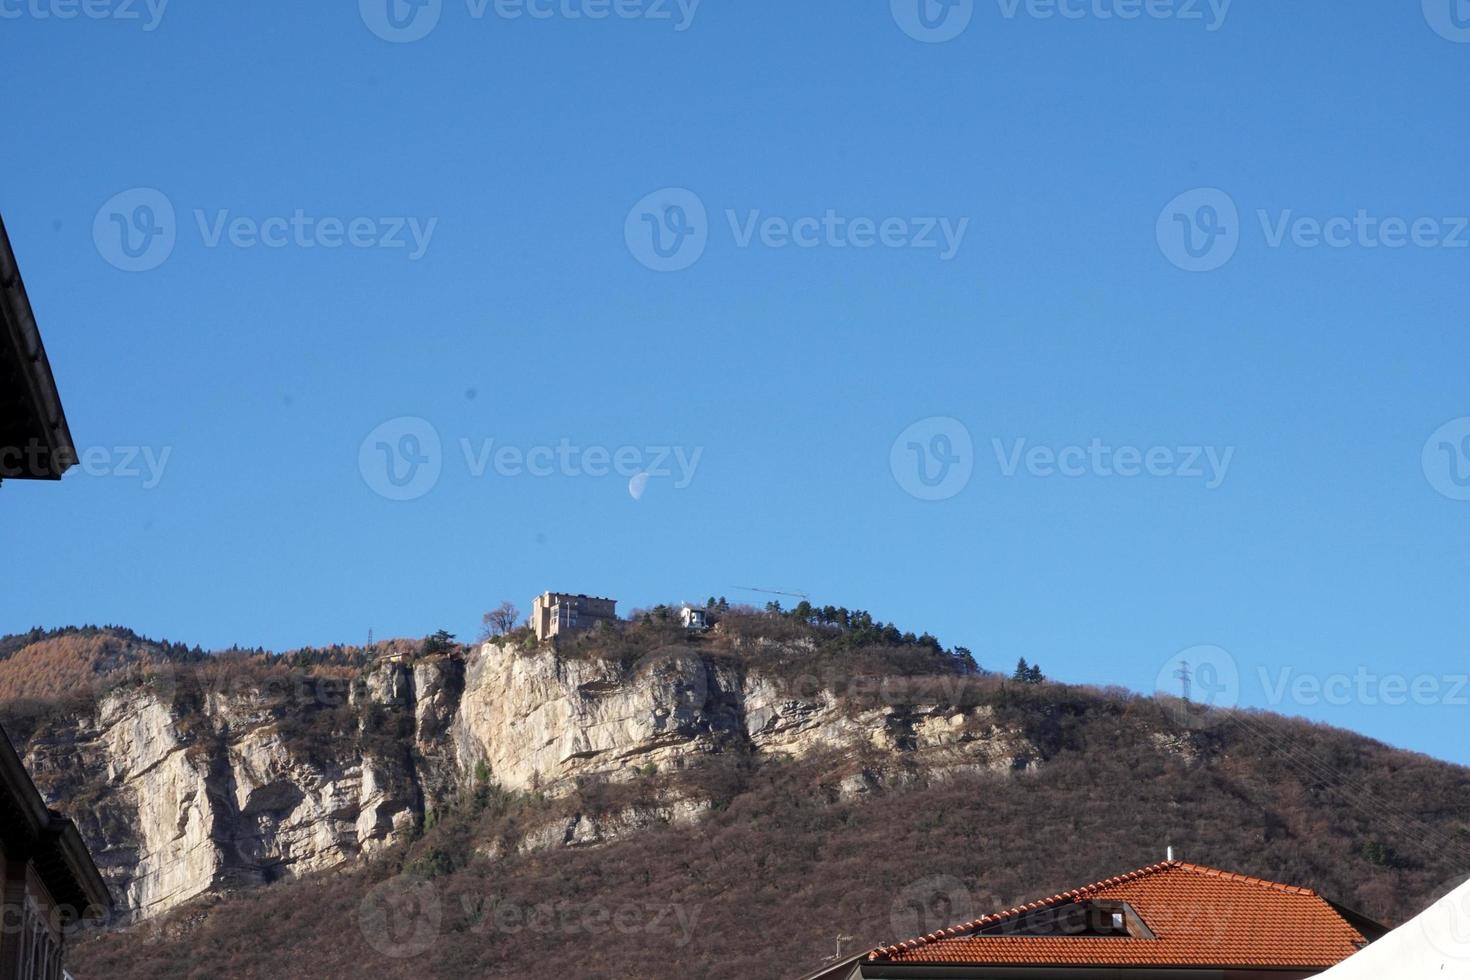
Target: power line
x: 751, y: 588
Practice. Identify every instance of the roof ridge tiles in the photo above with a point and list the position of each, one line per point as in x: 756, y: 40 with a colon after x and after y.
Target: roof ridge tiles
x: 1074, y: 894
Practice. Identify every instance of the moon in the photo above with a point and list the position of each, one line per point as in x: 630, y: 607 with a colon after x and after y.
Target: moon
x: 637, y: 485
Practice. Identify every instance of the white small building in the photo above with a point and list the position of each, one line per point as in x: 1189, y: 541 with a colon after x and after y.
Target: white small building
x: 693, y: 619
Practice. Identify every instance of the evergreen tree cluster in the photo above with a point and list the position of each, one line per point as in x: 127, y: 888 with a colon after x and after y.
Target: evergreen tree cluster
x: 1027, y: 673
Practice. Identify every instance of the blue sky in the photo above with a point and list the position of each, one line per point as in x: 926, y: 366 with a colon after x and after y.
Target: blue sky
x: 802, y: 366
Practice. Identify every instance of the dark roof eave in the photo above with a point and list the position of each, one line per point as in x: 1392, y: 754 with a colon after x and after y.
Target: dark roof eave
x: 16, y: 783
x: 20, y: 342
x: 94, y: 900
x: 63, y: 860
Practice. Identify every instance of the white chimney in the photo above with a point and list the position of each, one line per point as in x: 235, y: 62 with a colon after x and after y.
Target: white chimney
x: 1171, y: 853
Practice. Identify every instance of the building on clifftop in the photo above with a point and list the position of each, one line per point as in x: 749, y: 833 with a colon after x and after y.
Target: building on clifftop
x: 561, y: 613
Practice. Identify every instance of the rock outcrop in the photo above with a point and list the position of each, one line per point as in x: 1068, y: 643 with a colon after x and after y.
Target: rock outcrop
x: 181, y: 797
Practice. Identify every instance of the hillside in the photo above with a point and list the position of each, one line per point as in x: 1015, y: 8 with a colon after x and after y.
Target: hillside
x: 79, y: 664
x: 648, y: 803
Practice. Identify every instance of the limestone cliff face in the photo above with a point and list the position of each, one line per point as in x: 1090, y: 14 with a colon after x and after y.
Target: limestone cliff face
x: 539, y: 721
x: 185, y: 803
x: 183, y: 797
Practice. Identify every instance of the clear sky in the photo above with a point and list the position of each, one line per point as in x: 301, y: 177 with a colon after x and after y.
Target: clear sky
x: 979, y: 263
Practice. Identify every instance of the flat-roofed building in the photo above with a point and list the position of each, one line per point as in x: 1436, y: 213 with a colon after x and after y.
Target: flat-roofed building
x: 559, y: 613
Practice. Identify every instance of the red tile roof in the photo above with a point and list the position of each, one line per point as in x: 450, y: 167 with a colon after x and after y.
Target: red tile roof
x: 1199, y: 917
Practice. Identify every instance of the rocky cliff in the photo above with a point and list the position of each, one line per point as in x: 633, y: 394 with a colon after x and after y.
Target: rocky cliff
x: 764, y: 787
x: 195, y: 779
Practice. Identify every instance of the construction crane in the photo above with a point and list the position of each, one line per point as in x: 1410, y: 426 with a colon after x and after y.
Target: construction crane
x: 751, y: 588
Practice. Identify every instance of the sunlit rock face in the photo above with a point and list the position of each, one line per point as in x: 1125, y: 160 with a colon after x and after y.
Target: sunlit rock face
x: 184, y: 797
x: 185, y: 803
x: 539, y: 721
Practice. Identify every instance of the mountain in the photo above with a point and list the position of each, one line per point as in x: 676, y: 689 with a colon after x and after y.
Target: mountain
x: 656, y: 803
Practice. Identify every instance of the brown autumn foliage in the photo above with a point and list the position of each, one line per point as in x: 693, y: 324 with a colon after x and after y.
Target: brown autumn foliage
x: 69, y: 664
